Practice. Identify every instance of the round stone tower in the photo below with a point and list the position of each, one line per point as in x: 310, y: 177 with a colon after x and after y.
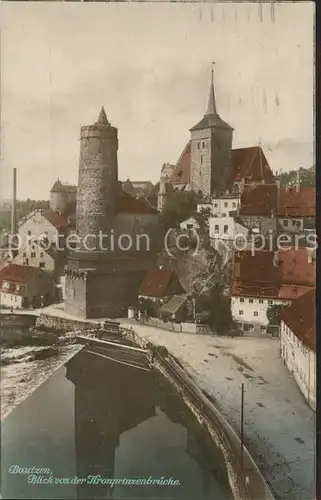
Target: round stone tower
x: 98, y: 186
x: 57, y: 197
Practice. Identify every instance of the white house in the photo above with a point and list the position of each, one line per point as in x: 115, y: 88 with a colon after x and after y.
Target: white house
x: 298, y: 344
x: 226, y: 228
x: 251, y: 312
x: 265, y: 278
x: 25, y: 286
x: 190, y: 223
x: 222, y: 206
x: 43, y: 223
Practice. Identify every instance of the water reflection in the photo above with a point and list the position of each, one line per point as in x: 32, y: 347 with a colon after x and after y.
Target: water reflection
x: 102, y: 419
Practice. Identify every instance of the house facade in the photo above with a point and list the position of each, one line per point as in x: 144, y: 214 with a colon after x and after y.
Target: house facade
x: 266, y: 278
x: 296, y: 209
x: 25, y: 286
x: 298, y: 344
x: 222, y: 206
x: 226, y: 228
x: 43, y: 224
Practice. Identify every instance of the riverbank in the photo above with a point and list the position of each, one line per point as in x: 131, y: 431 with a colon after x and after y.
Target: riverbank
x: 279, y: 425
x: 25, y: 368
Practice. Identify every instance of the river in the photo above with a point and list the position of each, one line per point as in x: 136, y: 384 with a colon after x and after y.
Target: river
x: 94, y: 420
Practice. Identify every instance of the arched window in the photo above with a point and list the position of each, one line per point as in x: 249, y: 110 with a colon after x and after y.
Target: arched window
x: 225, y: 228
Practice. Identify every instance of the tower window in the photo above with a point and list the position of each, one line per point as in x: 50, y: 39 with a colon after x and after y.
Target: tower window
x: 201, y: 159
x: 203, y: 145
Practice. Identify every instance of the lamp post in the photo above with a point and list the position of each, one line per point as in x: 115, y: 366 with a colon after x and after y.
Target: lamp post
x: 242, y: 425
x: 194, y: 309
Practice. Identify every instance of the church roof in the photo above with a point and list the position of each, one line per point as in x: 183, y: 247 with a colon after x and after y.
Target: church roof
x: 251, y: 164
x: 181, y: 173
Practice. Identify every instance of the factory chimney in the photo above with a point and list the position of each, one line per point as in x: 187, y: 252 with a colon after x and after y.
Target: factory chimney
x: 14, y: 204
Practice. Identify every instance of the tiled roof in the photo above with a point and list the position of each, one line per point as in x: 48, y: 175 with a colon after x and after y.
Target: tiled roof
x: 157, y: 281
x: 173, y: 305
x: 260, y: 199
x: 56, y: 219
x: 293, y: 203
x: 60, y: 187
x: 300, y: 318
x: 130, y: 205
x: 18, y: 274
x: 256, y: 276
x: 250, y: 164
x: 247, y: 163
x: 181, y: 173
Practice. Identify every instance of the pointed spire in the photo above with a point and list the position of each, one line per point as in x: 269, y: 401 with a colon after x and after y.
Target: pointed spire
x: 211, y: 108
x: 102, y: 118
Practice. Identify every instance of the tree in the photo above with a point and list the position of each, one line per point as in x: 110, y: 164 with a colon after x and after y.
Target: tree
x: 307, y: 177
x: 203, y: 218
x: 218, y: 308
x: 273, y: 314
x: 179, y: 206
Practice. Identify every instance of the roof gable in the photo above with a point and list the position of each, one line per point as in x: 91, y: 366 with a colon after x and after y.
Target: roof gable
x: 57, y: 220
x: 160, y: 282
x: 15, y: 273
x: 251, y: 164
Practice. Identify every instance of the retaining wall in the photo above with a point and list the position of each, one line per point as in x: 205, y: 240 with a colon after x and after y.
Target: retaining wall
x: 58, y: 324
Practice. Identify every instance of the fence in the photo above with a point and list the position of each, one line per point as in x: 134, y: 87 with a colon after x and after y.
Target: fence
x: 177, y: 327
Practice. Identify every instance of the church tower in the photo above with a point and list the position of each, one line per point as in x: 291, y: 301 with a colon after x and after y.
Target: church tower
x: 211, y: 151
x: 98, y: 187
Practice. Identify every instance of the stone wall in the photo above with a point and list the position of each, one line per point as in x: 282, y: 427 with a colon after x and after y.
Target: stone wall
x: 56, y: 323
x: 98, y: 186
x: 211, y: 160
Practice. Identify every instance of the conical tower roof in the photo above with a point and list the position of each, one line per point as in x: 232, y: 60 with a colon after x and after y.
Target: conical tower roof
x: 57, y: 187
x: 102, y: 118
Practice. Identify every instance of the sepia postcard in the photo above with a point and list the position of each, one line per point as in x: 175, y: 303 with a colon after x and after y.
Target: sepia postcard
x: 158, y: 250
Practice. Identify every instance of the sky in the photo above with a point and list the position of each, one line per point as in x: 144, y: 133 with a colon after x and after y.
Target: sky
x: 149, y: 64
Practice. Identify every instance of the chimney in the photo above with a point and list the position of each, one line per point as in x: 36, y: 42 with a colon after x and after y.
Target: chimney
x: 297, y: 184
x: 276, y: 258
x: 311, y: 255
x: 14, y: 204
